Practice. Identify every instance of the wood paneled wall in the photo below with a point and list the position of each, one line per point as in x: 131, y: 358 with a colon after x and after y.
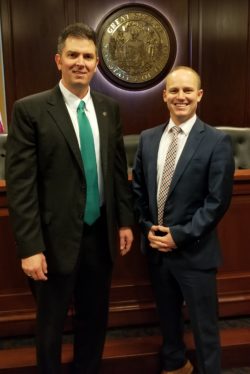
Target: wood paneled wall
x: 131, y: 300
x: 212, y: 36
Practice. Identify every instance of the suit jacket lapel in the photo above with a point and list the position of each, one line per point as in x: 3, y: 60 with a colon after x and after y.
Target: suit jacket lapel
x: 103, y: 123
x: 190, y: 147
x: 152, y: 166
x: 59, y: 113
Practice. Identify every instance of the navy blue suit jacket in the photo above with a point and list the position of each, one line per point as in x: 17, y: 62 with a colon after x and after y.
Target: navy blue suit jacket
x: 199, y: 194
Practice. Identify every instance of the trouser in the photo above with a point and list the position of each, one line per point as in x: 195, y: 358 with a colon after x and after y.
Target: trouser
x: 88, y: 287
x: 172, y: 285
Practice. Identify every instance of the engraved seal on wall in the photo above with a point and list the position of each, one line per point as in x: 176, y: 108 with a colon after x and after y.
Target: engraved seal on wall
x: 137, y: 46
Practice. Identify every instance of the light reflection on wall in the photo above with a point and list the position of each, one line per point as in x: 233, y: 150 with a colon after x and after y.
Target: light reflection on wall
x: 117, y: 90
x: 103, y: 81
x: 141, y: 108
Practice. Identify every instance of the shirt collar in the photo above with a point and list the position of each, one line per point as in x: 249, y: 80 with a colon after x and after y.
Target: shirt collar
x: 72, y: 100
x: 185, y: 126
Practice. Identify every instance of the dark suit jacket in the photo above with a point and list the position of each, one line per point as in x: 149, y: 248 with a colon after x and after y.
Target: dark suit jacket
x: 199, y: 194
x: 45, y: 177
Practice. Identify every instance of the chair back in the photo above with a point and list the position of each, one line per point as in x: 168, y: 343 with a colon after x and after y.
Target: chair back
x: 241, y: 145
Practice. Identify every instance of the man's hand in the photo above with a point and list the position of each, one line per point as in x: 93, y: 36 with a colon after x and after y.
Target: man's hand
x: 160, y: 238
x: 35, y: 266
x: 126, y: 239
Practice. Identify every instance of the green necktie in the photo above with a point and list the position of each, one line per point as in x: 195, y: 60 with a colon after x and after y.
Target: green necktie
x: 92, y: 209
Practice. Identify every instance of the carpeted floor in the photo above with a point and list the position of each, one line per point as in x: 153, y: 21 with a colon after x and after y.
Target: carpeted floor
x: 237, y: 371
x: 137, y: 331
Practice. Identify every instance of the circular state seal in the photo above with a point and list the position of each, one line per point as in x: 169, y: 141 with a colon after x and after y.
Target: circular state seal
x: 137, y: 46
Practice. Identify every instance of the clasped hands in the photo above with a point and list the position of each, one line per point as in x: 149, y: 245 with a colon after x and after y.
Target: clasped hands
x: 160, y: 238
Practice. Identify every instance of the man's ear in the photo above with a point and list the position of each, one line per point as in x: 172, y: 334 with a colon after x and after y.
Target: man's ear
x: 58, y: 61
x: 97, y: 62
x: 164, y: 95
x: 200, y: 94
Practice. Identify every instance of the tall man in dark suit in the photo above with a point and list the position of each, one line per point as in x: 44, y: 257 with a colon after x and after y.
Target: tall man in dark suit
x: 182, y: 181
x: 66, y: 241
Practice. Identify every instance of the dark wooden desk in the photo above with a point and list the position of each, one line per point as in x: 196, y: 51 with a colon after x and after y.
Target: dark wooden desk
x: 131, y: 301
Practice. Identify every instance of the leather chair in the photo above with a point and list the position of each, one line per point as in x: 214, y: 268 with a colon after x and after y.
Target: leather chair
x: 240, y: 140
x: 3, y: 138
x: 241, y: 145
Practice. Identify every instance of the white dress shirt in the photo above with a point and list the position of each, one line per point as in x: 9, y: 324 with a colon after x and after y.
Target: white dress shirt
x: 165, y: 142
x: 72, y: 101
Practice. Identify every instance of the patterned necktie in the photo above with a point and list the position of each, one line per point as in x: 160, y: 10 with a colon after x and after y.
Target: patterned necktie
x: 168, y: 171
x: 92, y: 208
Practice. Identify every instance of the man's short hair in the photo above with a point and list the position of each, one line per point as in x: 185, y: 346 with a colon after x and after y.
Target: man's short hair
x: 76, y: 30
x: 180, y: 67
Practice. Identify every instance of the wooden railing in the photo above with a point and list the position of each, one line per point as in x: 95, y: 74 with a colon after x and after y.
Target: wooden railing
x: 131, y: 301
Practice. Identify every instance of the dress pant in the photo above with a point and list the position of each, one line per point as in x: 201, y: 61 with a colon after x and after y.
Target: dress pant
x: 172, y: 284
x: 88, y: 288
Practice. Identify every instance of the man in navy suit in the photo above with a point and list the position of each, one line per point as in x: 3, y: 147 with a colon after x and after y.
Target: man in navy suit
x: 182, y: 246
x: 66, y: 255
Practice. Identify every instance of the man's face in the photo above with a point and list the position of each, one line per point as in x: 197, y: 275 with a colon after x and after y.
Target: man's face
x: 77, y: 62
x: 182, y: 95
